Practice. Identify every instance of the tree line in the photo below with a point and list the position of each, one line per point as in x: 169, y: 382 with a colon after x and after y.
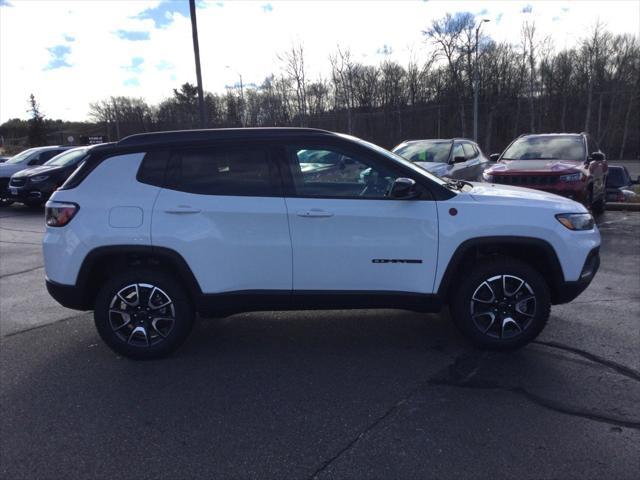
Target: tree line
x: 527, y: 86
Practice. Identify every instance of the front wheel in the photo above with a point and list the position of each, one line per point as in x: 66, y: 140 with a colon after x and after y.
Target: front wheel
x: 502, y: 304
x: 5, y: 202
x: 143, y: 314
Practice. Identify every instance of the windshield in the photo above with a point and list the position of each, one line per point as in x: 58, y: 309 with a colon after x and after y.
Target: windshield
x: 21, y: 156
x: 397, y: 158
x: 67, y: 158
x: 617, y: 177
x: 557, y: 147
x: 425, y: 151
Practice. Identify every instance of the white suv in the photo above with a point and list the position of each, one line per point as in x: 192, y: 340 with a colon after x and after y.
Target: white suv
x: 161, y: 226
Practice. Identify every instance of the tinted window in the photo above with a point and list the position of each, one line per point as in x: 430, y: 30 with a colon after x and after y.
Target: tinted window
x: 68, y: 157
x: 215, y: 171
x: 49, y: 154
x: 328, y: 172
x: 153, y: 168
x: 425, y: 151
x: 617, y: 177
x: 547, y: 147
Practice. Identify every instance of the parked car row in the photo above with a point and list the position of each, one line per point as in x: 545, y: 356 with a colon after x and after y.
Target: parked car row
x: 570, y: 164
x: 31, y: 176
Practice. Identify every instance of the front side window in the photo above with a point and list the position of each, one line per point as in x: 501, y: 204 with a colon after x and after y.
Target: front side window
x: 329, y: 172
x: 214, y: 171
x: 556, y: 147
x: 458, y: 151
x: 469, y: 151
x: 425, y: 151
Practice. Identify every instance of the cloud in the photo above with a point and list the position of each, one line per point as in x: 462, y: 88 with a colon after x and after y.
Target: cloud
x: 59, y: 57
x: 5, y: 3
x: 134, y: 36
x: 163, y: 14
x: 131, y: 82
x: 499, y: 17
x: 267, y: 7
x: 165, y: 65
x: 527, y: 8
x: 136, y: 65
x: 482, y: 12
x: 69, y: 38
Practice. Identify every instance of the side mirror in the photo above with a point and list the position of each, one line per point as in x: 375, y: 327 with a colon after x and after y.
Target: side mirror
x: 597, y: 157
x: 403, y: 189
x: 459, y: 159
x: 494, y: 157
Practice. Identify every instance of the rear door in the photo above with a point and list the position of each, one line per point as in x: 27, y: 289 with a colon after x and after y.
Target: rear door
x: 347, y: 234
x: 223, y: 211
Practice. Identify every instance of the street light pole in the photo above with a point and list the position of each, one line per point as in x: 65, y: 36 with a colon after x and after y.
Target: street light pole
x: 475, y: 84
x: 196, y: 51
x: 241, y: 109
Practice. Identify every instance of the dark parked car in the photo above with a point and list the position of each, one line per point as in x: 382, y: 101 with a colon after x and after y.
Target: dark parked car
x: 567, y: 164
x: 34, y: 186
x: 29, y: 158
x: 619, y: 184
x: 457, y: 158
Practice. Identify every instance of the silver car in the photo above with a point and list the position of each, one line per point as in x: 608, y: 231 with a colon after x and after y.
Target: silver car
x: 456, y: 158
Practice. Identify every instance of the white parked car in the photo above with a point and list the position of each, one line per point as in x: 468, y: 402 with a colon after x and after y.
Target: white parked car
x: 159, y: 226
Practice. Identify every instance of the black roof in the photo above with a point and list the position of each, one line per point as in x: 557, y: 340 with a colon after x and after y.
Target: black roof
x: 179, y: 136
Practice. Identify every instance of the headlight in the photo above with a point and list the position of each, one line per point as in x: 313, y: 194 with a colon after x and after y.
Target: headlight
x: 39, y: 178
x: 487, y: 177
x: 576, y: 221
x: 572, y: 177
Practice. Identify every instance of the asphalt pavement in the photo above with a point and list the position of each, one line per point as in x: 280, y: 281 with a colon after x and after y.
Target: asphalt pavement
x: 348, y: 394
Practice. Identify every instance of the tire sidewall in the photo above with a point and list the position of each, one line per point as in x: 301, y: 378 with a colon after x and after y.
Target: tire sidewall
x: 184, y: 313
x: 461, y: 300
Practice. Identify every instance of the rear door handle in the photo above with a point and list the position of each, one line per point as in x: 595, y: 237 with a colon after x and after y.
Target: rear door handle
x: 314, y: 212
x: 182, y: 209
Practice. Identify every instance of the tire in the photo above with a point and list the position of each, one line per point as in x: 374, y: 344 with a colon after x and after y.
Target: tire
x: 4, y: 202
x: 134, y: 319
x: 517, y: 317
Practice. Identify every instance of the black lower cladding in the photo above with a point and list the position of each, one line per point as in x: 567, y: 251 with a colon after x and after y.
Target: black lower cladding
x: 70, y: 296
x: 568, y: 291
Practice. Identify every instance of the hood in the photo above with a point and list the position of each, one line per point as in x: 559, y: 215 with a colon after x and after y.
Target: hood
x: 437, y: 168
x: 40, y: 170
x: 491, y: 193
x: 535, y: 166
x: 7, y: 170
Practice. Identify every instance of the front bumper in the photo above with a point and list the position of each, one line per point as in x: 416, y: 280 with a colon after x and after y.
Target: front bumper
x: 574, y: 190
x: 28, y: 193
x: 568, y: 291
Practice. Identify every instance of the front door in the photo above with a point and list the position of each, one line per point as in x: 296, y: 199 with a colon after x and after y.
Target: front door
x: 347, y: 234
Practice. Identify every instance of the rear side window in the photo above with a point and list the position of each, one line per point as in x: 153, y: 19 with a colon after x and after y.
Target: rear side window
x: 153, y: 168
x: 222, y: 171
x: 469, y: 151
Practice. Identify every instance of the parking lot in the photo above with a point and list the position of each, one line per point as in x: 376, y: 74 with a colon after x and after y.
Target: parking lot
x: 368, y: 394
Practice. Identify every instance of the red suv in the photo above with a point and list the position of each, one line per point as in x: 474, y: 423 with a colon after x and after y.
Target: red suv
x: 568, y: 164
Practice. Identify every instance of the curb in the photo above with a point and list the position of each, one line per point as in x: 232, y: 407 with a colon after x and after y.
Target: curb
x: 634, y: 207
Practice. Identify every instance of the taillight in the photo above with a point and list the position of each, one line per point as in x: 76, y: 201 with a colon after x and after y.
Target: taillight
x: 58, y: 214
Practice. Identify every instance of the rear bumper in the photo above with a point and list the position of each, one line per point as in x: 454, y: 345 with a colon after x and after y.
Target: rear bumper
x: 69, y: 296
x: 568, y: 291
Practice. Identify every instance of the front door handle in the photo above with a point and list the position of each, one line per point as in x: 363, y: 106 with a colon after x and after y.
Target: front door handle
x: 182, y: 209
x: 314, y: 212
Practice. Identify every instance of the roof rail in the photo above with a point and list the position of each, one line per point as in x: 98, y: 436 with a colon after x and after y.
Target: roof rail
x: 175, y: 136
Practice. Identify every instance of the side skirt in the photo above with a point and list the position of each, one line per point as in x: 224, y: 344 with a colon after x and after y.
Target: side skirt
x: 265, y: 300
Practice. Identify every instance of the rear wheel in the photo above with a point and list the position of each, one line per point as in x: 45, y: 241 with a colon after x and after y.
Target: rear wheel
x: 143, y: 314
x: 5, y: 202
x: 501, y: 304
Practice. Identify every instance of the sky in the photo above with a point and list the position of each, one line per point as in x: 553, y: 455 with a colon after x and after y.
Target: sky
x: 70, y: 53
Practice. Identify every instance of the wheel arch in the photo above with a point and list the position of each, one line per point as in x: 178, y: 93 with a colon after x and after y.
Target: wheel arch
x: 536, y: 252
x: 102, y: 262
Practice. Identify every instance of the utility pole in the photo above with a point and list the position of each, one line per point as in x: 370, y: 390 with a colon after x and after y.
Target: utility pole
x: 196, y: 51
x: 475, y: 84
x: 241, y: 109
